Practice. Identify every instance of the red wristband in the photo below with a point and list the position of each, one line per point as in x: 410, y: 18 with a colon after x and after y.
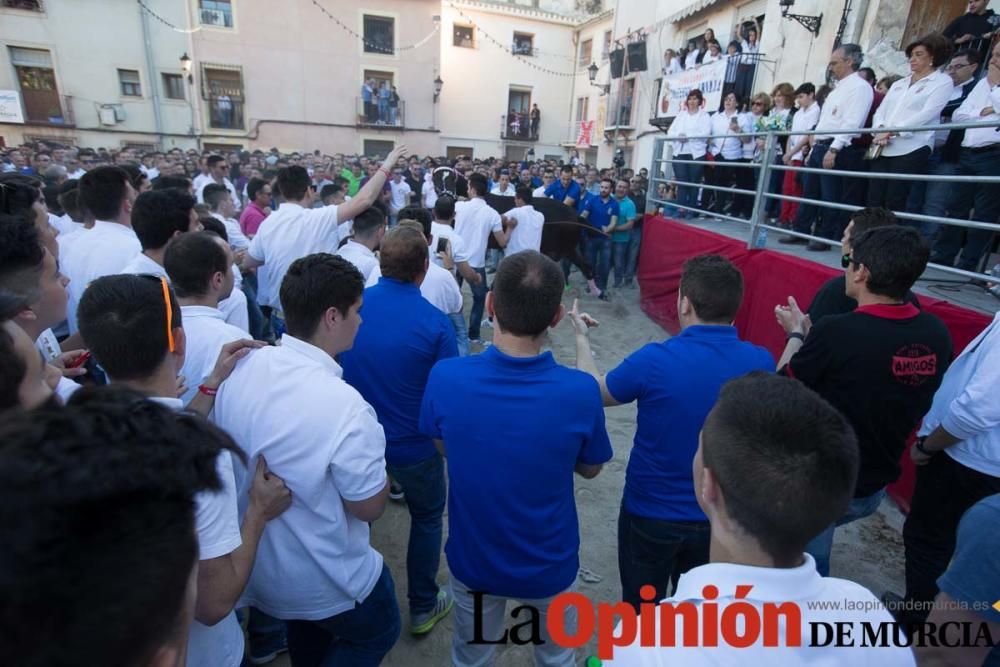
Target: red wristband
x: 385, y: 171
x: 208, y: 391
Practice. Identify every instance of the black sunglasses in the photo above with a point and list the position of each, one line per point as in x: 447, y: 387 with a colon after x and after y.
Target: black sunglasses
x: 846, y: 261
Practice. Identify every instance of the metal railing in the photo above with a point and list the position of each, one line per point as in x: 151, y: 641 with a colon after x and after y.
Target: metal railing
x: 372, y: 114
x: 766, y: 168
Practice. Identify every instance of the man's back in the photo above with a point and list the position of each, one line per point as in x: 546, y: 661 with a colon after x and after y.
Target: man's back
x: 101, y: 251
x: 528, y: 233
x: 205, y: 332
x: 513, y: 527
x: 402, y: 336
x: 289, y: 404
x: 474, y: 222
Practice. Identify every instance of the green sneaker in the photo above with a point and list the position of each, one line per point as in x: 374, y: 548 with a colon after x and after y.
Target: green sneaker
x: 421, y: 624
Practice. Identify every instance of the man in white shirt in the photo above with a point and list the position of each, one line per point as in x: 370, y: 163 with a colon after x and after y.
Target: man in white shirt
x: 548, y: 177
x: 766, y: 434
x: 296, y: 229
x: 401, y: 195
x: 475, y: 221
x: 522, y: 224
x: 317, y: 569
x: 846, y: 108
x: 134, y: 327
x: 369, y: 229
x: 110, y: 244
x: 221, y: 208
x: 158, y: 217
x: 804, y: 120
x: 503, y: 188
x: 443, y: 228
x: 218, y: 169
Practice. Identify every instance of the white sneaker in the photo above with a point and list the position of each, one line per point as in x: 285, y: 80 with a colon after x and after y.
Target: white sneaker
x: 486, y: 324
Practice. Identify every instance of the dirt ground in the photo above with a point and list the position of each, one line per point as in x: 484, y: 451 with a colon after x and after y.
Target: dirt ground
x: 869, y: 551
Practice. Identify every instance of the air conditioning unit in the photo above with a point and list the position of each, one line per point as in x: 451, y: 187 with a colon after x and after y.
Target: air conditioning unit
x: 213, y: 17
x: 119, y: 110
x: 107, y: 115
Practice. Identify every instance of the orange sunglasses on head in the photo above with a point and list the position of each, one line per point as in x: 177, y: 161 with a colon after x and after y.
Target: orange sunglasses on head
x: 170, y: 314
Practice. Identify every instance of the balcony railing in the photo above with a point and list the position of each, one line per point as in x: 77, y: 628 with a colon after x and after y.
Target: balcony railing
x: 374, y: 115
x: 226, y: 114
x: 217, y: 17
x: 516, y: 130
x: 523, y: 49
x: 28, y: 5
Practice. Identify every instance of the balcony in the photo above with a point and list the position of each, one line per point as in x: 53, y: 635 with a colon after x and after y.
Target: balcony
x: 371, y: 115
x: 523, y: 49
x: 225, y: 113
x: 27, y: 5
x: 219, y: 18
x: 516, y: 130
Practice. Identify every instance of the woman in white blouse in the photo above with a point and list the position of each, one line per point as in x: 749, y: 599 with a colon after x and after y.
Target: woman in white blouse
x: 714, y: 53
x: 671, y: 63
x: 694, y: 122
x: 913, y: 101
x: 726, y: 148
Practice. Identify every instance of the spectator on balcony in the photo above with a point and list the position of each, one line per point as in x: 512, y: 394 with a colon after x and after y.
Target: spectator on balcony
x: 746, y: 178
x: 974, y: 29
x: 394, y: 118
x: 912, y: 101
x: 714, y: 53
x: 695, y: 52
x: 671, y: 63
x: 382, y: 100
x: 804, y: 120
x: 747, y: 69
x: 224, y: 108
x: 536, y: 120
x: 693, y: 122
x: 368, y: 100
x: 733, y: 51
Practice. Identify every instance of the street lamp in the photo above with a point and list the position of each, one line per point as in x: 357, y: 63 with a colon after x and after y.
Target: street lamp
x: 810, y: 23
x: 186, y: 67
x: 438, y: 83
x: 592, y: 74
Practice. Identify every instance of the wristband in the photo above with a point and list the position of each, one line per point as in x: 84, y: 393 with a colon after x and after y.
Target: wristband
x: 208, y: 391
x: 385, y: 171
x: 796, y: 335
x: 919, y: 444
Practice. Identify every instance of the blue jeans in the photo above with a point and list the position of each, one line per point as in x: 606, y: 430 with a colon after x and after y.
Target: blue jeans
x: 687, y: 195
x: 931, y: 197
x: 821, y: 545
x: 655, y: 552
x: 478, y: 303
x: 360, y: 637
x: 635, y: 241
x: 599, y: 256
x: 424, y: 486
x: 967, y: 195
x: 461, y: 333
x: 265, y: 634
x: 619, y: 253
x: 257, y: 328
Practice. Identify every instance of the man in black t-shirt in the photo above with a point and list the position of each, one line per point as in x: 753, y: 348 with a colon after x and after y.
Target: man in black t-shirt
x: 831, y: 298
x: 879, y: 365
x: 974, y: 29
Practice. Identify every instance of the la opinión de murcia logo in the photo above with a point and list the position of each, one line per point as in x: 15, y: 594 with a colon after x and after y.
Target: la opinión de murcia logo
x: 738, y: 623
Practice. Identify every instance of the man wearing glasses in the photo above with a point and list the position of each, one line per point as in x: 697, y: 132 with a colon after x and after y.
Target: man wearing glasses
x: 218, y: 172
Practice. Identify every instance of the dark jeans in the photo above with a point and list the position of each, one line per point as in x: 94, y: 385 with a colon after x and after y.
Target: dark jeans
x: 830, y: 223
x: 257, y: 328
x: 619, y: 253
x: 687, y: 195
x: 723, y: 176
x: 743, y: 204
x: 635, y: 242
x: 945, y: 489
x: 265, y: 634
x: 599, y: 256
x: 967, y: 195
x: 478, y: 303
x: 776, y: 179
x: 654, y: 552
x: 932, y: 197
x: 892, y: 194
x: 360, y: 637
x: 424, y: 486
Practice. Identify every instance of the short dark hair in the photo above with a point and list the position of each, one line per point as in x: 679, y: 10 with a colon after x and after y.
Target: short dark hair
x: 938, y: 46
x: 213, y: 160
x: 123, y: 321
x: 293, y: 182
x: 478, y: 183
x: 158, y: 215
x: 254, y: 185
x: 974, y: 56
x: 214, y: 226
x: 870, y: 218
x: 894, y: 256
x: 695, y: 93
x: 366, y: 222
x: 403, y: 255
x: 714, y: 286
x: 768, y: 432
x: 126, y: 544
x: 313, y: 285
x: 806, y: 88
x: 21, y: 256
x: 524, y: 193
x: 329, y: 190
x: 171, y: 182
x: 444, y: 208
x: 18, y: 193
x: 191, y: 260
x: 418, y: 213
x: 566, y: 169
x: 103, y: 190
x: 214, y: 194
x: 527, y: 292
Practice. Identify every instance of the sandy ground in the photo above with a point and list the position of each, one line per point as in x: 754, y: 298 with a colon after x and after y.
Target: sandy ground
x: 869, y: 551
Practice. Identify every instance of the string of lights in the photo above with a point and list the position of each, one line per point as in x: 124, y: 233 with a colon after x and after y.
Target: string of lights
x: 165, y: 22
x: 381, y: 48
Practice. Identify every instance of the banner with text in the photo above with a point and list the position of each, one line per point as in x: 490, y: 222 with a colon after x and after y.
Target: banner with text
x: 709, y: 79
x: 10, y: 107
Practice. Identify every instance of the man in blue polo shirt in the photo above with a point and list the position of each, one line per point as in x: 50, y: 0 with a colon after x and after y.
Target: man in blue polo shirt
x: 565, y: 189
x: 602, y: 214
x: 402, y: 336
x: 513, y: 530
x: 662, y: 532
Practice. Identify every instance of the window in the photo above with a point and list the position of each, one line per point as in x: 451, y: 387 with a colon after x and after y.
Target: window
x: 128, y: 82
x: 379, y: 34
x: 518, y: 120
x: 217, y: 13
x: 37, y: 81
x: 222, y: 87
x: 606, y: 49
x: 30, y: 5
x: 465, y: 36
x: 524, y: 44
x: 582, y: 107
x: 173, y: 86
x: 377, y: 148
x: 586, y: 46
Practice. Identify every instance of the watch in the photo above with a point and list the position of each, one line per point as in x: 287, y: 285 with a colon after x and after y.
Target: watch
x: 919, y: 444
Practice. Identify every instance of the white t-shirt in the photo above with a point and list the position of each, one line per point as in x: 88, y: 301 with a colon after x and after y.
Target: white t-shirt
x: 237, y: 239
x: 527, y: 235
x: 286, y: 235
x: 141, y: 263
x: 801, y: 585
x: 441, y: 289
x: 101, y: 251
x: 439, y: 230
x: 314, y: 560
x: 206, y: 331
x: 509, y: 192
x: 200, y: 186
x: 428, y: 192
x: 360, y: 256
x: 235, y: 308
x: 539, y: 191
x: 474, y: 222
x: 399, y: 192
x: 804, y: 120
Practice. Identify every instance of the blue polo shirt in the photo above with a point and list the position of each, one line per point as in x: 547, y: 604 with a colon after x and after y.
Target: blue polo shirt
x: 559, y: 193
x: 402, y: 335
x: 514, y: 429
x: 676, y: 383
x: 600, y: 211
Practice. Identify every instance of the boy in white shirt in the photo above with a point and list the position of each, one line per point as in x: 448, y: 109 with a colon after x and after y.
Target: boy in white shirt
x: 522, y: 224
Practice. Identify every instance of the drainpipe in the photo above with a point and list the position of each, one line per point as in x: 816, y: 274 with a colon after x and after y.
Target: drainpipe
x: 154, y: 87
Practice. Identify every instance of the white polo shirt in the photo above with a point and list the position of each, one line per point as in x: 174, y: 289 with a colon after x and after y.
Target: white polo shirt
x: 237, y: 239
x: 399, y: 192
x: 103, y: 250
x: 218, y: 526
x: 441, y: 289
x: 206, y: 331
x: 200, y: 186
x: 527, y: 235
x: 286, y: 235
x: 314, y: 560
x: 141, y: 263
x: 360, y: 256
x: 439, y: 230
x: 235, y: 310
x: 801, y: 585
x: 474, y: 222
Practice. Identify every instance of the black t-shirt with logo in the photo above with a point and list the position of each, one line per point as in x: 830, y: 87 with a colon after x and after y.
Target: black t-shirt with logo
x: 880, y: 366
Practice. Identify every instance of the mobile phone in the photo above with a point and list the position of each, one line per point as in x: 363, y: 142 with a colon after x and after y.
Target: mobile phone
x: 79, y: 361
x: 442, y: 245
